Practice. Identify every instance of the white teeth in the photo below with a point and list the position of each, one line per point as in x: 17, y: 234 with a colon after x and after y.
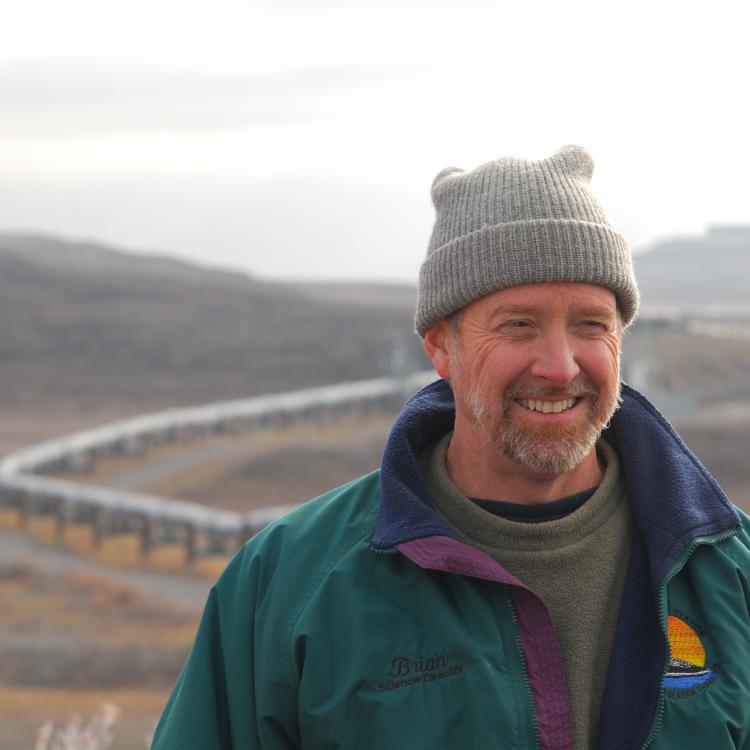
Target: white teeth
x: 546, y: 406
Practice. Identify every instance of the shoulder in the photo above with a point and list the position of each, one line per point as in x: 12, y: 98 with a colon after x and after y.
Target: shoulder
x: 739, y: 546
x: 305, y: 544
x: 240, y: 678
x: 728, y: 559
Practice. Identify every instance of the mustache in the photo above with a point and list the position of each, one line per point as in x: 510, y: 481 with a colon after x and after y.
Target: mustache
x: 575, y: 389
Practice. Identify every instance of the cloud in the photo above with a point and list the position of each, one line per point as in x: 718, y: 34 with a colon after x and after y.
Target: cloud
x: 39, y: 99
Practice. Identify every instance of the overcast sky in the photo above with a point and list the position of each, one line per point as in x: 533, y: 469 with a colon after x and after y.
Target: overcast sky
x: 300, y: 138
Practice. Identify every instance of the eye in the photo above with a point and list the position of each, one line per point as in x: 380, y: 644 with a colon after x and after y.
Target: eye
x: 517, y: 326
x: 519, y: 323
x: 594, y: 325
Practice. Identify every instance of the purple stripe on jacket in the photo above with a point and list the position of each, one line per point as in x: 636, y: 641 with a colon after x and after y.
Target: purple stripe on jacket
x: 537, y: 632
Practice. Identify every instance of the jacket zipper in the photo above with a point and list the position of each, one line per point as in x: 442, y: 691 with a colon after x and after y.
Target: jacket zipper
x: 673, y: 571
x: 524, y: 674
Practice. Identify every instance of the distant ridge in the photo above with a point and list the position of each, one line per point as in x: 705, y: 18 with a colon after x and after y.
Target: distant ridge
x: 89, y: 257
x: 84, y: 324
x: 711, y: 270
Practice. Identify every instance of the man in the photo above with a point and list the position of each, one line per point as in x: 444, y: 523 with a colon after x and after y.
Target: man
x: 532, y: 566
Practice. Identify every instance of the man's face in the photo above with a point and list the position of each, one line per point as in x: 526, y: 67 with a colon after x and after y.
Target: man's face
x: 535, y: 372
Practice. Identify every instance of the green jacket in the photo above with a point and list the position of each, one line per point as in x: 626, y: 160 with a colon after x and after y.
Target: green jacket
x: 360, y: 621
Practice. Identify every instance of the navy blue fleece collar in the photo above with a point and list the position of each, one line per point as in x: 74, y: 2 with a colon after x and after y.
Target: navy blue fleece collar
x: 673, y: 498
x: 406, y: 510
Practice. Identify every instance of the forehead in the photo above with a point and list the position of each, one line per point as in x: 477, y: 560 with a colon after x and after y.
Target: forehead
x: 548, y: 297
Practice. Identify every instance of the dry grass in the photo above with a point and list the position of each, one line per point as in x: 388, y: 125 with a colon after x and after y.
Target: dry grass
x: 82, y: 629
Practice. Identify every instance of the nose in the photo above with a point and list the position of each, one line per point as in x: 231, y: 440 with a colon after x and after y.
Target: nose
x: 555, y: 359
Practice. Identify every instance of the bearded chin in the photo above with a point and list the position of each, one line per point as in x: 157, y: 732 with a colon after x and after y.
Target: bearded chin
x: 539, y: 449
x: 546, y: 450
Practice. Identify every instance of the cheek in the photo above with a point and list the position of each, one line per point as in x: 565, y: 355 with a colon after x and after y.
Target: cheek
x: 600, y: 362
x: 615, y: 351
x: 469, y: 362
x: 608, y: 362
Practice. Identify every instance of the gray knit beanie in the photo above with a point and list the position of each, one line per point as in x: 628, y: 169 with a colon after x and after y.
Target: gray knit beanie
x: 514, y: 221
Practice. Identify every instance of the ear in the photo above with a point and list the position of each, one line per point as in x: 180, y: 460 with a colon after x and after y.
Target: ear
x: 438, y: 342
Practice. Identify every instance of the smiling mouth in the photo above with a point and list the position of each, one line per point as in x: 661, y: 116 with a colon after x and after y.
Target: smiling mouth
x: 547, y: 407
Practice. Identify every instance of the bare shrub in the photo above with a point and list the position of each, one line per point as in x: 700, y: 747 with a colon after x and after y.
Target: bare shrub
x: 97, y: 734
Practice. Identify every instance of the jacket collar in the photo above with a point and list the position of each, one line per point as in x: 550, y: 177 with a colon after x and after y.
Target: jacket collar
x: 673, y: 498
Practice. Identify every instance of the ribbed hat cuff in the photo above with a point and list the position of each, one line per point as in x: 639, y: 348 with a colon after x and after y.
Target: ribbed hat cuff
x: 524, y: 252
